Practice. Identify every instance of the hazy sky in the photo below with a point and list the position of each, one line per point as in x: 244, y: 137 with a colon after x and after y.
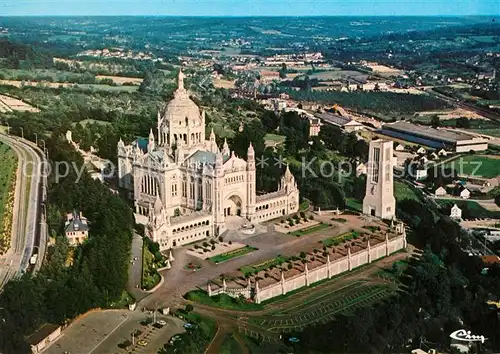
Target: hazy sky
x: 249, y: 7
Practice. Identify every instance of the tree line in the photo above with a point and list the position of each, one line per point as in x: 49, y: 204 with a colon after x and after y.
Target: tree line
x: 93, y: 275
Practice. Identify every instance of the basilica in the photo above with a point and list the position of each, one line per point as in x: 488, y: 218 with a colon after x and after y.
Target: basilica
x: 185, y: 187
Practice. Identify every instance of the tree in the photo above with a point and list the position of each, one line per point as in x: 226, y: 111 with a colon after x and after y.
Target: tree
x: 189, y: 308
x: 435, y: 121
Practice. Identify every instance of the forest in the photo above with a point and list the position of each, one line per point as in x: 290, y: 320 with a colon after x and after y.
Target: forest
x: 95, y: 276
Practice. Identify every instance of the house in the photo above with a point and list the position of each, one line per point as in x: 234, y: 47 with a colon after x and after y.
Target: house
x: 76, y: 228
x: 490, y: 260
x: 44, y: 337
x: 421, y: 172
x: 433, y: 156
x: 456, y: 212
x: 360, y: 169
x: 465, y: 194
x: 421, y: 151
x: 400, y: 147
x: 423, y: 159
x: 443, y: 152
x: 440, y: 192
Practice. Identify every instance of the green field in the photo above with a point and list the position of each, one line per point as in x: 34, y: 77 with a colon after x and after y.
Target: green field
x: 476, y: 166
x: 487, y: 131
x: 402, y: 191
x: 232, y: 254
x: 309, y: 230
x: 274, y: 137
x: 250, y: 269
x: 8, y: 161
x: 472, y: 208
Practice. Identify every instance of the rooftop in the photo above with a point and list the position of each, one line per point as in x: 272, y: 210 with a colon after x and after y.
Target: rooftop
x: 42, y: 333
x: 335, y: 119
x: 428, y: 132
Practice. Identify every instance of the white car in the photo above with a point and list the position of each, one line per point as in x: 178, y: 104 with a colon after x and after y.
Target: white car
x: 161, y: 322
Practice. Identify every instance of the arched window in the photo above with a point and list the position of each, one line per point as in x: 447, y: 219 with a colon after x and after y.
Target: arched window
x: 187, y: 121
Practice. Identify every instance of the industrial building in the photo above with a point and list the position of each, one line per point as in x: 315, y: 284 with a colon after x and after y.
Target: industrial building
x: 346, y: 123
x: 434, y: 138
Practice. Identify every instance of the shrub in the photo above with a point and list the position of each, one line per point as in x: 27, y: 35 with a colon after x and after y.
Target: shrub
x: 325, y: 254
x: 290, y: 266
x: 311, y: 217
x: 189, y: 308
x: 213, y: 247
x: 205, y: 244
x: 230, y: 242
x: 302, y: 214
x: 290, y: 222
x: 220, y: 239
x: 302, y: 255
x: 296, y: 217
x: 212, y: 242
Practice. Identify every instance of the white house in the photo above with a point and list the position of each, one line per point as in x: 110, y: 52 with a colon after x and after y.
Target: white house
x: 421, y: 150
x: 421, y: 172
x: 360, y: 169
x: 465, y: 194
x: 423, y: 159
x: 434, y: 156
x: 440, y: 192
x: 400, y: 147
x: 456, y: 212
x: 443, y: 152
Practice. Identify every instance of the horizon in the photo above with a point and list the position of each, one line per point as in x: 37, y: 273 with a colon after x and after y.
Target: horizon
x: 250, y: 8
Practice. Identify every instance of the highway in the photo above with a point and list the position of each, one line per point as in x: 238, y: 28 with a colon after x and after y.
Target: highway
x: 29, y: 232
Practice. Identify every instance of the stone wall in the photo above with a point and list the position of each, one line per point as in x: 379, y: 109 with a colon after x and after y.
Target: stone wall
x: 321, y: 272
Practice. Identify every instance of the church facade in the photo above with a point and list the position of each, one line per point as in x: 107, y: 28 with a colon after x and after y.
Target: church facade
x: 186, y: 186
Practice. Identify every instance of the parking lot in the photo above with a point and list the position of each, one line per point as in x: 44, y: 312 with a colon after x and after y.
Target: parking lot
x: 103, y: 332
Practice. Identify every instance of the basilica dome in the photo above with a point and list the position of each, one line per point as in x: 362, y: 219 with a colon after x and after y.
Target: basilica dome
x: 182, y: 107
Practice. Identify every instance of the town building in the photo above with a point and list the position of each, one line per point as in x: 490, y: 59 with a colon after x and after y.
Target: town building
x: 76, y: 228
x: 400, y: 147
x: 346, y: 123
x: 314, y: 126
x: 440, y: 192
x: 379, y: 198
x: 434, y: 138
x: 465, y: 194
x: 184, y: 187
x: 456, y: 212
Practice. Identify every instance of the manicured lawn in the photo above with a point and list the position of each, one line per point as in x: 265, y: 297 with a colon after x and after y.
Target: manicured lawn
x: 309, y: 230
x: 402, y: 191
x: 232, y: 254
x: 222, y: 301
x: 125, y: 300
x: 250, y: 269
x: 477, y: 166
x: 150, y: 276
x: 338, y: 239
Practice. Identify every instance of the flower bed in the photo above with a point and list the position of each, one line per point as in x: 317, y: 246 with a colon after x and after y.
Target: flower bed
x: 310, y: 229
x: 334, y: 241
x: 232, y: 254
x: 249, y: 269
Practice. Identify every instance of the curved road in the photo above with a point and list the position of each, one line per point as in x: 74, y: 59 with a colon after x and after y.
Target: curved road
x: 27, y: 231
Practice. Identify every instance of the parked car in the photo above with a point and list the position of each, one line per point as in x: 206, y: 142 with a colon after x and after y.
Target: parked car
x: 142, y: 343
x: 161, y: 322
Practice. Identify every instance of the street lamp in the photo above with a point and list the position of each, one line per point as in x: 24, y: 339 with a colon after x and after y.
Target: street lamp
x: 22, y: 132
x: 36, y: 139
x: 8, y: 128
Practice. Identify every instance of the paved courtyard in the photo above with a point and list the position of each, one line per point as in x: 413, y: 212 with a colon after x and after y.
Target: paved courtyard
x: 179, y: 281
x: 101, y: 332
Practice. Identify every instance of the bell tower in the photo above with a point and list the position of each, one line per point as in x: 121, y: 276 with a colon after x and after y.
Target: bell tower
x: 379, y: 197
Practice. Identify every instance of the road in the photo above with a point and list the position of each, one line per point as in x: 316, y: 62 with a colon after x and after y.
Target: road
x: 26, y: 225
x: 135, y: 269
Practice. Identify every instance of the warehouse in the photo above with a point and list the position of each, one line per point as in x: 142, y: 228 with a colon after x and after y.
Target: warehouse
x: 434, y: 138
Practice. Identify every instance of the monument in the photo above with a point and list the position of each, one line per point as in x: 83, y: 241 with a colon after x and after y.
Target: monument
x: 379, y: 197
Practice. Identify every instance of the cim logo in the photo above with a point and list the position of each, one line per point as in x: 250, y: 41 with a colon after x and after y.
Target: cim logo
x: 466, y: 336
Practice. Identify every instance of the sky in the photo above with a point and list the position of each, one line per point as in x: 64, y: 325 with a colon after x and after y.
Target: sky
x: 250, y: 7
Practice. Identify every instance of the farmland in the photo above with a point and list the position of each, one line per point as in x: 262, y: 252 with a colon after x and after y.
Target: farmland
x: 477, y: 166
x: 9, y: 104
